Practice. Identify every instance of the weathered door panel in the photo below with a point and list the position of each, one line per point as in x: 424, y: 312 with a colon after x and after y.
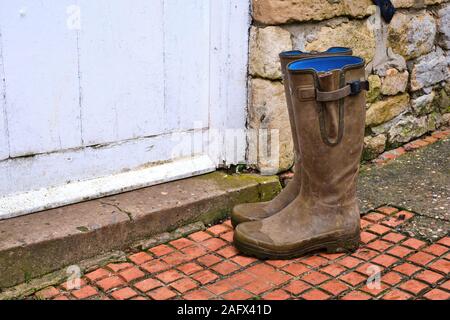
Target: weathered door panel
x: 39, y: 54
x: 187, y: 52
x: 121, y: 54
x: 4, y: 141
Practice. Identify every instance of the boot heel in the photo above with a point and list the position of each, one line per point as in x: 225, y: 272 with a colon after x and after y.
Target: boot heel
x: 343, y: 246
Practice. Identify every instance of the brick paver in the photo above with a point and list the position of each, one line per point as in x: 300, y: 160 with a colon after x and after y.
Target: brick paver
x: 388, y: 265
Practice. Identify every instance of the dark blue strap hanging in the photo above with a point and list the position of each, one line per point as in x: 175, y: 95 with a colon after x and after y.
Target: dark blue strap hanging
x: 387, y: 9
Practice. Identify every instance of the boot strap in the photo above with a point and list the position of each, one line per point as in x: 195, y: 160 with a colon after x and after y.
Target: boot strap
x: 314, y: 93
x: 351, y: 89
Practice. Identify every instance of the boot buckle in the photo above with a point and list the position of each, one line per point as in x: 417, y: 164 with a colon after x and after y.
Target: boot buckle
x: 357, y: 86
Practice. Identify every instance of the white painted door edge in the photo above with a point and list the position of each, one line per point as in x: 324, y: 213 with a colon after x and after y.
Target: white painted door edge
x: 52, y: 197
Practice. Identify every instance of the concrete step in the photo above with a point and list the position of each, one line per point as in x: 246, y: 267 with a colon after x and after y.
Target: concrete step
x: 39, y: 243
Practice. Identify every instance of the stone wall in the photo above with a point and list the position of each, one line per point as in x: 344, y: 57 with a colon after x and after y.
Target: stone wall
x: 407, y: 60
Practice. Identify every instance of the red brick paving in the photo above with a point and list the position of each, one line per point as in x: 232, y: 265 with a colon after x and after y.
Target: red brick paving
x: 131, y: 274
x: 97, y: 274
x: 356, y: 295
x: 85, y: 292
x: 124, y: 294
x: 169, y: 276
x: 276, y: 295
x: 392, y: 278
x: 148, y: 284
x: 315, y: 294
x: 161, y: 294
x: 237, y: 295
x: 47, y: 293
x: 184, y: 285
x: 205, y: 265
x: 396, y: 294
x: 110, y: 283
x: 437, y: 294
x: 189, y: 268
x: 161, y: 250
x: 140, y: 258
x: 411, y: 146
x: 116, y: 267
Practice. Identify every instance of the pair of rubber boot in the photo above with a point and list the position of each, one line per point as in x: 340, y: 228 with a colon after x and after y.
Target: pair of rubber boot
x: 318, y: 209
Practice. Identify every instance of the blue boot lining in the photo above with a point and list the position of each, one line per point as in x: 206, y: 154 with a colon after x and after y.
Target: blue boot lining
x: 324, y: 64
x: 330, y: 50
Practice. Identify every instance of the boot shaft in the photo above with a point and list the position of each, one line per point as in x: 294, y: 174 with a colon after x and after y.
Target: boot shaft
x: 291, y: 56
x: 330, y: 118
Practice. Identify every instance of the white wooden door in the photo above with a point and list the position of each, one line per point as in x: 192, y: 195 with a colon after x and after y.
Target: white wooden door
x: 102, y: 96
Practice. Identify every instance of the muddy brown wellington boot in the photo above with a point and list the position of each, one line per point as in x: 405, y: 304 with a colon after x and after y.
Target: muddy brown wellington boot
x: 329, y: 108
x: 257, y: 211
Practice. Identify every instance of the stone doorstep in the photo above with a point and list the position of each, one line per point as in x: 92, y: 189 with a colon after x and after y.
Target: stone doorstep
x: 37, y: 244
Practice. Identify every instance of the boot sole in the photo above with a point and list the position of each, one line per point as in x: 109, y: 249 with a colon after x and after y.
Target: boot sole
x: 345, y: 245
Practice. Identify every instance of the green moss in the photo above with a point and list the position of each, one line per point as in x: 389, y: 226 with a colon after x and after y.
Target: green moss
x: 432, y: 120
x: 443, y: 101
x: 27, y: 276
x: 262, y: 188
x: 83, y: 229
x: 214, y: 216
x: 375, y: 89
x: 227, y: 181
x: 368, y: 154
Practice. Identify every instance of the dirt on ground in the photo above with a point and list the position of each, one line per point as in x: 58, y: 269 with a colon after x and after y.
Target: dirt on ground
x: 417, y: 181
